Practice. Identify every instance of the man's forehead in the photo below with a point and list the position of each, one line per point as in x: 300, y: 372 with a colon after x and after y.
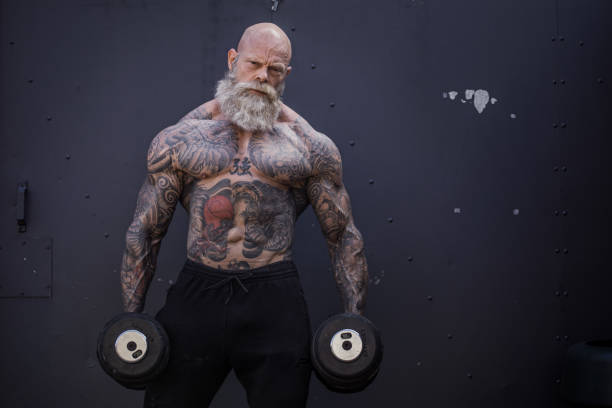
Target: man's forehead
x: 265, y: 43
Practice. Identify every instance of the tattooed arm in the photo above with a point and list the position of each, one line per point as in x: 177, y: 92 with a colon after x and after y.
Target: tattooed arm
x: 331, y: 204
x: 155, y: 206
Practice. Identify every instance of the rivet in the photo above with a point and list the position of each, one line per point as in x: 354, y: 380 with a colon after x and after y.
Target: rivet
x: 30, y: 81
x: 565, y: 293
x: 87, y: 196
x: 581, y: 43
x: 12, y: 43
x: 469, y: 376
x: 553, y: 39
x: 555, y: 168
x: 390, y: 219
x: 564, y: 168
x: 67, y: 157
x: 450, y: 336
x: 563, y: 124
x: 557, y: 293
x: 352, y: 142
x: 313, y: 66
x: 418, y: 363
x: 48, y: 118
x: 430, y: 298
x: 371, y: 181
x: 558, y: 381
x: 409, y: 259
x: 557, y: 250
x: 556, y: 212
x: 600, y: 80
x: 558, y: 338
x: 565, y: 338
x: 555, y: 125
x: 561, y: 38
x: 563, y: 82
x: 106, y: 235
x: 564, y: 212
x: 554, y: 82
x: 565, y: 251
x: 292, y: 28
x: 331, y: 105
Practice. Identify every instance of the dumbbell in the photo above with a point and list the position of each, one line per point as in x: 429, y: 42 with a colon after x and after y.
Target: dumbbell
x: 133, y: 348
x: 346, y: 352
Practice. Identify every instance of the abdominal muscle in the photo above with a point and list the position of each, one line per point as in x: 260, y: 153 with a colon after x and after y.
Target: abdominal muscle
x: 237, y: 223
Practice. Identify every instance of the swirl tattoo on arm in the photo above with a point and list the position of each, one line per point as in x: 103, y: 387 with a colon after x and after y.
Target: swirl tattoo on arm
x: 331, y: 204
x: 155, y: 205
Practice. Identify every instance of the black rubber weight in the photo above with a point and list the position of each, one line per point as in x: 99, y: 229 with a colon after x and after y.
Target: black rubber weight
x: 341, y: 376
x: 134, y: 375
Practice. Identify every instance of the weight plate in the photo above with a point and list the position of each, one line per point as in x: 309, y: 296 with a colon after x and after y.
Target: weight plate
x: 133, y: 348
x: 336, y: 366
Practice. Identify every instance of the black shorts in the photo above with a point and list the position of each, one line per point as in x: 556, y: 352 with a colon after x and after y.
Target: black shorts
x: 253, y: 321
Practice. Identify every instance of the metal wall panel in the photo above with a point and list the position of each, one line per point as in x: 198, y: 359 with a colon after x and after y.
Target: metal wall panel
x: 462, y: 209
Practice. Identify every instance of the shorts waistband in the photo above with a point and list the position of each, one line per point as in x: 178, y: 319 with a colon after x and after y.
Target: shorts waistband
x: 275, y: 270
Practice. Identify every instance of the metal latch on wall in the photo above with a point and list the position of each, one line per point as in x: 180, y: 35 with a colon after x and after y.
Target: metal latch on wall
x: 22, y: 189
x: 275, y: 5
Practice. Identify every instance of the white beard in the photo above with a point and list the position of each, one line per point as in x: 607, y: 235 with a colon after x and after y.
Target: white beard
x: 251, y: 111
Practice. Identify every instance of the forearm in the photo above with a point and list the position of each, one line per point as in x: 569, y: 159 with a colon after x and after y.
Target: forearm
x: 350, y: 269
x: 137, y: 269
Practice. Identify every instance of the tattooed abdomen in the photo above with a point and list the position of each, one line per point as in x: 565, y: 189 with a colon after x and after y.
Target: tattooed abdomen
x: 239, y: 220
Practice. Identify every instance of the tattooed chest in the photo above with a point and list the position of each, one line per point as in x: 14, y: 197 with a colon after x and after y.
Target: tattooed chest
x: 278, y: 155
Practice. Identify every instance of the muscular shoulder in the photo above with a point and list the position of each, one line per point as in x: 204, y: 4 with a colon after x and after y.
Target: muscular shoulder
x: 163, y: 146
x: 324, y: 154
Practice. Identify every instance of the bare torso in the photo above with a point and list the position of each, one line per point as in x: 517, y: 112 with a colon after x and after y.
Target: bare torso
x: 243, y: 191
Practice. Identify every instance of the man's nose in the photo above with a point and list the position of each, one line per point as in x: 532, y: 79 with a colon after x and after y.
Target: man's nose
x: 262, y: 74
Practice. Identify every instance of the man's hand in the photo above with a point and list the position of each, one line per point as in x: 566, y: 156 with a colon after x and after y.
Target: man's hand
x: 155, y: 206
x: 331, y: 204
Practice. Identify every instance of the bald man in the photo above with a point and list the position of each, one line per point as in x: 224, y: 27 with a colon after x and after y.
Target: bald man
x: 244, y: 166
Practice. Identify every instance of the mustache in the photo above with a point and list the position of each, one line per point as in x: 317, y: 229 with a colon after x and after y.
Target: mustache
x: 243, y: 88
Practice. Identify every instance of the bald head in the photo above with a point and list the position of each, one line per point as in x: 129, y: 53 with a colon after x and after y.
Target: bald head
x: 266, y: 36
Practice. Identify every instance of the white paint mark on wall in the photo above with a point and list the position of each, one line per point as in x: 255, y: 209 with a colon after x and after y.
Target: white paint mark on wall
x: 516, y: 211
x: 457, y: 210
x: 481, y: 98
x: 513, y: 116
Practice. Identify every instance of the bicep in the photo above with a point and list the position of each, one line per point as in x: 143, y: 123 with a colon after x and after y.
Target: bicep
x: 156, y: 202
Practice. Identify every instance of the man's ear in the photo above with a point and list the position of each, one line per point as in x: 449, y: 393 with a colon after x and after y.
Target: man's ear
x: 288, y: 70
x: 231, y: 58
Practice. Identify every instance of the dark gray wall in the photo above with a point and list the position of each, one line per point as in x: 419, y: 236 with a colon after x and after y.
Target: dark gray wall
x: 477, y: 285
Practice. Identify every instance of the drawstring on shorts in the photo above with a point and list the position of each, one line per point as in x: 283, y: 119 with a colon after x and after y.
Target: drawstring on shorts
x: 234, y: 278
